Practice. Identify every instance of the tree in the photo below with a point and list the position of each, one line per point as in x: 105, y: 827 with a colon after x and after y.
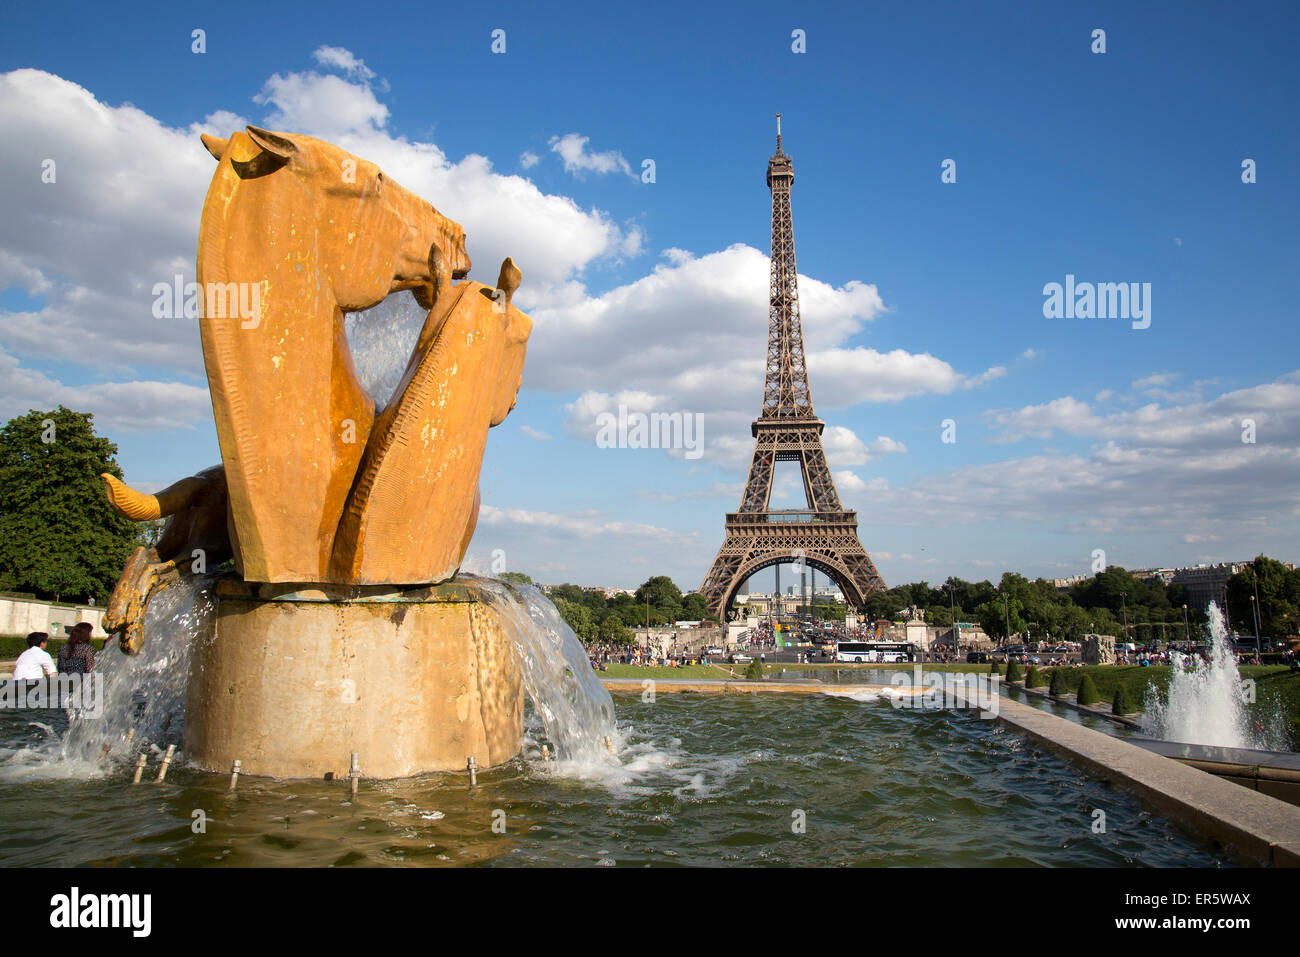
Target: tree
x: 992, y: 616
x: 1279, y: 598
x: 694, y: 607
x: 1088, y: 693
x: 662, y: 595
x: 518, y: 577
x: 568, y: 592
x: 613, y: 632
x: 58, y: 536
x: 578, y: 617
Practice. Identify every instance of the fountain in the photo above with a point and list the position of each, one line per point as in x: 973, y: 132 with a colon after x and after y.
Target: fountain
x: 1207, y: 699
x: 343, y: 627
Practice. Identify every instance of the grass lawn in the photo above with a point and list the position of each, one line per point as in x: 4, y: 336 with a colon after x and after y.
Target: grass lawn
x: 11, y: 646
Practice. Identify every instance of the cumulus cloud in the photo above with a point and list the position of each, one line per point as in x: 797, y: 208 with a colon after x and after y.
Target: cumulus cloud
x: 572, y: 149
x: 843, y: 447
x: 132, y: 406
x: 123, y: 211
x: 1219, y: 423
x: 338, y: 58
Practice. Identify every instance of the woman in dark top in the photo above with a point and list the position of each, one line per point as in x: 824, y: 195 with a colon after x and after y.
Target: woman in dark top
x: 77, y: 656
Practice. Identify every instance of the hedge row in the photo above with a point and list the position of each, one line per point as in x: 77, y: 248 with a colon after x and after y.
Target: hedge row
x: 11, y: 646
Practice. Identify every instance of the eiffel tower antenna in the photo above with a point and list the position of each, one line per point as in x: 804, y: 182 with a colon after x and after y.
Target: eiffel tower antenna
x: 823, y: 535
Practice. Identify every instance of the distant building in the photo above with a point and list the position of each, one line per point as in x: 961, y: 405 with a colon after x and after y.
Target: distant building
x: 1206, y: 583
x: 1164, y: 575
x: 1064, y: 584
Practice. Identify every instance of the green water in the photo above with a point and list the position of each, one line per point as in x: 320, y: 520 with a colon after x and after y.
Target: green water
x: 699, y: 780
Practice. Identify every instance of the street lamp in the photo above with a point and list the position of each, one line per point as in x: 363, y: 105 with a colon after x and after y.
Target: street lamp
x: 1006, y: 609
x: 956, y: 632
x: 1255, y: 604
x: 1124, y: 598
x: 1187, y: 629
x: 1254, y: 611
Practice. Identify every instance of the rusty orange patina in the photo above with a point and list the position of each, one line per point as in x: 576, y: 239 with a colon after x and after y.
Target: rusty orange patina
x: 316, y: 484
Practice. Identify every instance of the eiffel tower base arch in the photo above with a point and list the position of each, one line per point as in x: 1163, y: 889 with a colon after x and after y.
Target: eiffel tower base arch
x: 754, y: 542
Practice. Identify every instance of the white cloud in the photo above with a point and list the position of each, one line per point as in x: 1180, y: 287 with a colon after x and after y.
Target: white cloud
x: 843, y: 447
x: 848, y: 482
x: 123, y: 213
x: 528, y: 159
x: 337, y: 58
x: 535, y: 433
x: 1196, y: 425
x: 583, y: 525
x: 572, y: 149
x: 136, y: 406
x: 1155, y: 380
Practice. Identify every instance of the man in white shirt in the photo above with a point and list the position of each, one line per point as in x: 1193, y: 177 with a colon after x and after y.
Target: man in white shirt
x: 34, y: 663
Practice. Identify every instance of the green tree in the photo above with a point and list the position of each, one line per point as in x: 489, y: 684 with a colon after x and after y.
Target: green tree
x: 568, y: 592
x: 578, y: 617
x: 694, y: 607
x: 518, y: 578
x: 1278, y: 588
x: 613, y: 632
x: 1088, y: 693
x: 663, y: 596
x: 58, y: 536
x: 992, y: 616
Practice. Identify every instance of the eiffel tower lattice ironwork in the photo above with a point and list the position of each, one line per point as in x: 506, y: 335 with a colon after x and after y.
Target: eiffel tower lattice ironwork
x: 823, y: 536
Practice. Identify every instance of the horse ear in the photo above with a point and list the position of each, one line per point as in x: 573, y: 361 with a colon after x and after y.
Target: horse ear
x: 276, y: 143
x: 214, y: 146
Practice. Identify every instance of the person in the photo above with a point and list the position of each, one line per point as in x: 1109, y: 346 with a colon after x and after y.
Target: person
x: 77, y: 657
x: 35, y: 662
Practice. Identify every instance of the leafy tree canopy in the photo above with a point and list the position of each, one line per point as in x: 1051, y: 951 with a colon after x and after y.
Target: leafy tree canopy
x: 58, y: 536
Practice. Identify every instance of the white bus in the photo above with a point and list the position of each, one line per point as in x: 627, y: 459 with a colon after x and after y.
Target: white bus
x: 886, y: 652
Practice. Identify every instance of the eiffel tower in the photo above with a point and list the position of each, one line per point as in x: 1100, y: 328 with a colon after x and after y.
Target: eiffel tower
x: 824, y: 535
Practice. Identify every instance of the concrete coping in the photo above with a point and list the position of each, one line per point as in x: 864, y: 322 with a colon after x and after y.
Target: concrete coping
x: 1252, y: 824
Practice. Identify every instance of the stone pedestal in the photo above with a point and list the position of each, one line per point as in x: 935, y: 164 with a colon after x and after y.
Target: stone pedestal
x: 294, y: 678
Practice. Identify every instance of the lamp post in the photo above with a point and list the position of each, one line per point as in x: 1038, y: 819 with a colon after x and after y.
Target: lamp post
x: 1254, y: 611
x: 956, y: 632
x: 1124, y: 598
x: 1006, y: 610
x: 1258, y: 612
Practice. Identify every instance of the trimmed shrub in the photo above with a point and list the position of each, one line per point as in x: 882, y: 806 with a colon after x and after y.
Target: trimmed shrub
x: 1034, y: 678
x: 755, y: 670
x: 1057, y: 688
x: 1088, y: 693
x: 1014, y: 671
x: 1122, y: 703
x: 993, y: 669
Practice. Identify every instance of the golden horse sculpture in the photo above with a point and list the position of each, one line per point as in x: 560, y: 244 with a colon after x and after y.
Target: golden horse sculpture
x: 316, y: 484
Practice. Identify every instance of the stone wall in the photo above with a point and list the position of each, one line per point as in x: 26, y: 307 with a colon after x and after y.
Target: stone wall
x: 21, y: 616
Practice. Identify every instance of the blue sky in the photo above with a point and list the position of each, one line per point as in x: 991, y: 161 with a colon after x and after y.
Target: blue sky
x: 923, y: 301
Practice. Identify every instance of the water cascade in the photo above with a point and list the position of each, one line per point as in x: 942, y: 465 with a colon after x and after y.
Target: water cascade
x: 1207, y: 700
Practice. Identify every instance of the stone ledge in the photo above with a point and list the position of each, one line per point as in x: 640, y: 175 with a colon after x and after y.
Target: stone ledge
x: 1253, y: 824
x: 456, y: 591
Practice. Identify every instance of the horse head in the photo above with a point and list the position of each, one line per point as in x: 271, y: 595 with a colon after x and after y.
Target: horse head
x: 382, y: 233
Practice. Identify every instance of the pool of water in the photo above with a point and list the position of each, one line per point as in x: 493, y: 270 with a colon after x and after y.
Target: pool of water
x: 696, y: 780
